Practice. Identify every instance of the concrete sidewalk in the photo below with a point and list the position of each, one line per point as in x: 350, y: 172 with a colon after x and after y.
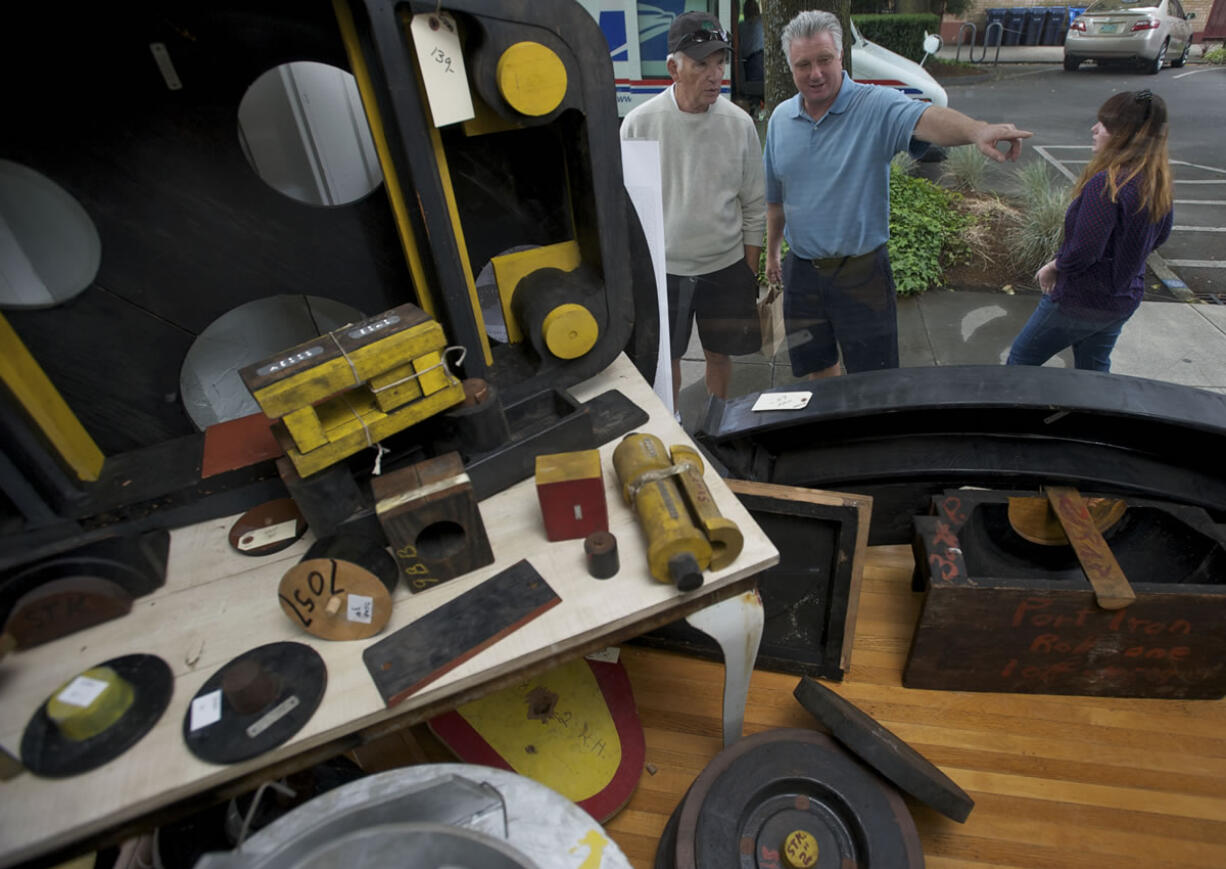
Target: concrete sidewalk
x: 1176, y: 342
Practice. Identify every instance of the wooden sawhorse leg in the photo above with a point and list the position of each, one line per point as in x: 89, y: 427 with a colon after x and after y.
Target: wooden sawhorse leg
x: 736, y: 624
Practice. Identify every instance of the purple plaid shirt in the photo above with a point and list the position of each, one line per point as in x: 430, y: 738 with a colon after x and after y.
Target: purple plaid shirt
x: 1101, y: 263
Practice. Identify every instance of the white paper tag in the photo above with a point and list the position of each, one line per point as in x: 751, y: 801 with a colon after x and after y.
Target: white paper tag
x: 206, y: 709
x: 608, y: 655
x: 442, y: 67
x: 285, y: 707
x: 361, y: 608
x: 81, y: 691
x: 268, y: 535
x: 782, y: 400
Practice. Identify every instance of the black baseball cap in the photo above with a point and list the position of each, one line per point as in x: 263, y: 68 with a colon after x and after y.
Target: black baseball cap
x: 698, y: 34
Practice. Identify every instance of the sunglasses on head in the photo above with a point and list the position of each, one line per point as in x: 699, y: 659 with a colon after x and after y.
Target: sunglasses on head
x: 1146, y: 97
x: 698, y: 37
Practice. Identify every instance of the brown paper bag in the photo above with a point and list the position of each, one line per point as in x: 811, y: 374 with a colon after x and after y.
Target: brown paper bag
x: 770, y: 319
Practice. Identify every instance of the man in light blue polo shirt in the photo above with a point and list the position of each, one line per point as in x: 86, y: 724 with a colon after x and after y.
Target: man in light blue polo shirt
x: 827, y: 164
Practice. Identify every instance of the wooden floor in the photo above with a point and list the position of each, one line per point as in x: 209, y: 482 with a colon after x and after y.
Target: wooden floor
x: 1072, y: 782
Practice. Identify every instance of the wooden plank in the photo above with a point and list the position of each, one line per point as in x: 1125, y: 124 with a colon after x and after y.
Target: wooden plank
x: 419, y: 653
x: 1111, y: 587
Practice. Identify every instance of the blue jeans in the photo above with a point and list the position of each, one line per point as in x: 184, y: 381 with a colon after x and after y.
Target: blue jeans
x: 1050, y: 329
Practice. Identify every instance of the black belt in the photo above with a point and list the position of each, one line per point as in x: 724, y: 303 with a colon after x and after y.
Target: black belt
x: 835, y: 262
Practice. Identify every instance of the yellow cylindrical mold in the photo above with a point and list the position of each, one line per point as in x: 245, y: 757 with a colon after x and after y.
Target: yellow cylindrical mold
x: 531, y: 78
x: 677, y: 551
x: 723, y: 534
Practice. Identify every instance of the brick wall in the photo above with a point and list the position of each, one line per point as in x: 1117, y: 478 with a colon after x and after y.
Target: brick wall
x: 977, y: 14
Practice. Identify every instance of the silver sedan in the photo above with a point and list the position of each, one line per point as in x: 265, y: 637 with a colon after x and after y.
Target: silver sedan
x: 1143, y: 32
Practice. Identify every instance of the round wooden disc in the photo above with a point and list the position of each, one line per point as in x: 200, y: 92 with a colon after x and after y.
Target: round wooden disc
x: 267, y: 528
x: 298, y: 676
x: 759, y: 791
x: 334, y: 599
x: 46, y: 752
x: 1034, y: 520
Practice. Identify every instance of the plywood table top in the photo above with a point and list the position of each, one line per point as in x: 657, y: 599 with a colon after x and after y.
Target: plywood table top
x: 217, y: 604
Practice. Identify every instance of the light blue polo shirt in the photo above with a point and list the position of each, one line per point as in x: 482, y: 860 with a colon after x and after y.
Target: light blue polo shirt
x: 833, y: 175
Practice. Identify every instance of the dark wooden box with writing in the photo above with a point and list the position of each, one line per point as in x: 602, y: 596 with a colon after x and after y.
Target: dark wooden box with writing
x: 432, y: 521
x: 1002, y: 613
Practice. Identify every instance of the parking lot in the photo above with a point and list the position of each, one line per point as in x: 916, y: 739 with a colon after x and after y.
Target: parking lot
x: 1059, y: 108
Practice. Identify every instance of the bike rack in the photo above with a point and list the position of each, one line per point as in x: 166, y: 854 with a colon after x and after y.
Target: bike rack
x: 993, y: 27
x: 958, y: 47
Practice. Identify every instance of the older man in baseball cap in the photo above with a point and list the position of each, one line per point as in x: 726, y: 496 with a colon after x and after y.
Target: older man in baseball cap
x: 714, y: 200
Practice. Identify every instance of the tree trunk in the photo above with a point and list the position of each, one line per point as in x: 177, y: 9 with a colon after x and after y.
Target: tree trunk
x: 777, y: 13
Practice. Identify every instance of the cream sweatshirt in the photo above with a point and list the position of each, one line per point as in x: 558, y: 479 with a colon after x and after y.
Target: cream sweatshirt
x: 714, y: 192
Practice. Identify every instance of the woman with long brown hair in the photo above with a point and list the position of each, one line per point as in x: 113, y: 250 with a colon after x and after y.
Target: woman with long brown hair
x: 1121, y: 210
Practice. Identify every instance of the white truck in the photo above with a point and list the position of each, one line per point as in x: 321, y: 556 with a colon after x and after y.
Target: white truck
x: 637, y: 33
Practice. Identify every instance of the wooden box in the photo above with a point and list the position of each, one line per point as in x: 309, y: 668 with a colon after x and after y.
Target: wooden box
x: 811, y: 597
x: 570, y: 487
x: 1002, y: 613
x: 432, y: 521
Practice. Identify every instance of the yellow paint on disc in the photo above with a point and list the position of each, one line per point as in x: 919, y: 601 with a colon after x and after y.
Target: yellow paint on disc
x: 570, y: 330
x: 109, y: 697
x: 575, y: 750
x: 532, y: 78
x: 800, y: 850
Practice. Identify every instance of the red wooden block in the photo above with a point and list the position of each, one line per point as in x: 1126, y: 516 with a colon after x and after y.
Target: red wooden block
x: 570, y: 487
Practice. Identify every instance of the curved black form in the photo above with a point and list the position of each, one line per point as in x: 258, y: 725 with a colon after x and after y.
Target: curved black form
x: 904, y: 435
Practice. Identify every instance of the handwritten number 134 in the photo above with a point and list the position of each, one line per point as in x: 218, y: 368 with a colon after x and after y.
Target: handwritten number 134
x: 440, y: 56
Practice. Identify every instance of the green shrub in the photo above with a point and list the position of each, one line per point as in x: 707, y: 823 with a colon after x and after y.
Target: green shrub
x: 1215, y: 55
x: 901, y: 34
x: 1035, y: 236
x: 925, y: 229
x: 965, y: 167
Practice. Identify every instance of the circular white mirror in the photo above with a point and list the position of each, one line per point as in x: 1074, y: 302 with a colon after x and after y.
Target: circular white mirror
x: 303, y: 130
x: 49, y: 247
x: 208, y: 381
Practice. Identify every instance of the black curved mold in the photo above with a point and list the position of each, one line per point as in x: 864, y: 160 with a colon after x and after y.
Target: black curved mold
x: 902, y: 436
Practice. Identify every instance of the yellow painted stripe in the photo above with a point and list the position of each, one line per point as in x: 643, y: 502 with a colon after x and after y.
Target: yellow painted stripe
x: 395, y: 194
x: 43, y: 402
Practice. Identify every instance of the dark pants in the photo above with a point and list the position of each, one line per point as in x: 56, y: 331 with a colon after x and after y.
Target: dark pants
x: 846, y: 303
x: 725, y: 304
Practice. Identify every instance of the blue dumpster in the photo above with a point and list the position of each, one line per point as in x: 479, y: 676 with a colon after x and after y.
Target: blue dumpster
x: 992, y: 35
x: 1032, y: 30
x: 1015, y: 25
x: 1057, y: 24
x: 1074, y: 12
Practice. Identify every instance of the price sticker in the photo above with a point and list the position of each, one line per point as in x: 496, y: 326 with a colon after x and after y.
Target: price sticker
x: 206, y: 709
x: 81, y: 691
x: 437, y: 42
x: 782, y: 401
x: 269, y: 535
x: 361, y: 608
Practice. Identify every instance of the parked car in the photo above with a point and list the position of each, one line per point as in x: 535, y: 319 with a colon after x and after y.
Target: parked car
x: 1143, y: 32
